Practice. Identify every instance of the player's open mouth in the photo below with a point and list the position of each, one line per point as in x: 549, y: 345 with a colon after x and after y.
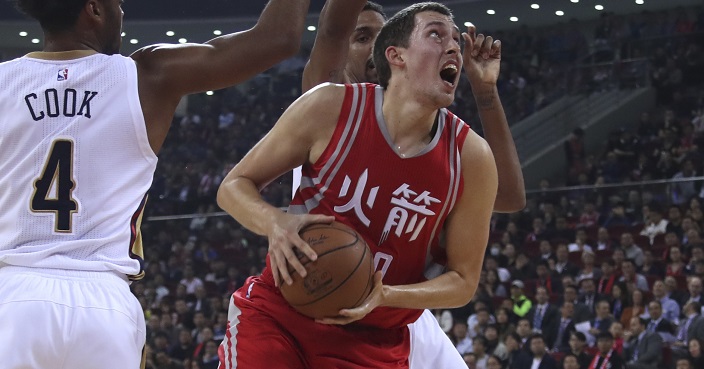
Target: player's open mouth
x: 449, y: 73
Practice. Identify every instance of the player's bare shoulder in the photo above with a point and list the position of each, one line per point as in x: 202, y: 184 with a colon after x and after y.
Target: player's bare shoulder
x: 318, y: 112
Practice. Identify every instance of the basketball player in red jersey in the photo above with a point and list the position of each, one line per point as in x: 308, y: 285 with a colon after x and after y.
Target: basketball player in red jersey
x: 395, y: 165
x: 342, y: 54
x: 87, y: 122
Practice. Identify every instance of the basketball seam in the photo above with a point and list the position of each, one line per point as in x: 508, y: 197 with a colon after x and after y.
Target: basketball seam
x: 341, y: 283
x: 356, y: 239
x: 369, y: 281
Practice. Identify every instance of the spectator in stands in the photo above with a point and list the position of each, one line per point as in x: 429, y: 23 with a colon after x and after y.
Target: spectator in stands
x: 461, y: 339
x: 578, y: 343
x: 494, y: 346
x: 631, y: 278
x: 493, y: 286
x: 541, y: 358
x: 694, y: 287
x: 190, y: 280
x: 675, y: 266
x: 696, y: 255
x: 636, y: 307
x: 546, y: 252
x: 470, y: 359
x: 618, y: 256
x: 603, y: 239
x: 603, y: 319
x: 606, y: 356
x: 184, y: 348
x: 521, y: 303
x: 518, y: 358
x: 477, y: 322
x: 618, y: 216
x: 538, y: 232
x: 618, y: 298
x: 543, y: 314
x: 546, y: 279
x: 657, y: 323
x: 580, y: 243
x: 509, y: 253
x: 581, y: 311
x: 562, y: 264
x: 643, y: 349
x: 688, y: 326
x: 673, y: 291
x: 494, y: 362
x: 589, y: 217
x: 651, y: 266
x: 210, y: 358
x: 559, y: 333
x: 503, y: 323
x: 562, y: 231
x: 632, y: 251
x: 683, y: 363
x: 479, y: 345
x: 491, y: 263
x: 608, y: 277
x: 695, y: 353
x: 683, y: 191
x: 524, y: 328
x: 616, y: 331
x: 674, y: 221
x: 670, y: 307
x: 655, y: 224
x: 589, y: 270
x: 589, y: 296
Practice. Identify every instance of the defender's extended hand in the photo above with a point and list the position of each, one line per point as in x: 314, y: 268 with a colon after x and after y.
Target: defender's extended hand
x: 482, y: 57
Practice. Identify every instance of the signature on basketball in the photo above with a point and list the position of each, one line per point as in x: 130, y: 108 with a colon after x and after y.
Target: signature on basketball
x: 312, y: 241
x: 317, y: 281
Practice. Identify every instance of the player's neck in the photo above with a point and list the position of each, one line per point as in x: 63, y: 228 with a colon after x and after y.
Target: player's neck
x: 68, y: 41
x: 403, y: 111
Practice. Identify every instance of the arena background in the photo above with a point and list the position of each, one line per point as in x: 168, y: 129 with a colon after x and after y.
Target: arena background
x: 606, y: 104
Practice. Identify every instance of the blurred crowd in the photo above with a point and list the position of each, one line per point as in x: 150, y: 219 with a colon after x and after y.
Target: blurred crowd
x: 573, y: 273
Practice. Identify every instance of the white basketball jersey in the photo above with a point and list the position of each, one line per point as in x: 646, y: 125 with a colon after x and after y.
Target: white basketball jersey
x: 75, y: 164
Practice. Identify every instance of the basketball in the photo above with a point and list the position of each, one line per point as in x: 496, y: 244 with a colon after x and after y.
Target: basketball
x: 340, y: 278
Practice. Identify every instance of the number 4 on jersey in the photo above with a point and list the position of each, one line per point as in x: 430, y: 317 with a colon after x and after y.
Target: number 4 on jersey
x: 57, y: 175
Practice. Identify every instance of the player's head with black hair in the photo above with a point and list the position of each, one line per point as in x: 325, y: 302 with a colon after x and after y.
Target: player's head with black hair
x: 370, y: 5
x: 397, y: 32
x: 101, y: 21
x: 53, y: 15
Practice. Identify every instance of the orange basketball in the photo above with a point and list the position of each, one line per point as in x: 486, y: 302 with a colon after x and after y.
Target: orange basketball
x: 340, y: 278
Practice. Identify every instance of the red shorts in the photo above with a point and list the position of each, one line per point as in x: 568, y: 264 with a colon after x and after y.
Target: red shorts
x: 265, y: 332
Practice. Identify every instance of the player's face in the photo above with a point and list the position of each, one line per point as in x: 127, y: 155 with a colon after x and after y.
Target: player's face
x: 433, y: 57
x: 359, y: 66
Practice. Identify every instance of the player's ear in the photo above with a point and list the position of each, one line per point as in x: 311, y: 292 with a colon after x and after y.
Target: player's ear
x: 395, y: 56
x: 93, y: 8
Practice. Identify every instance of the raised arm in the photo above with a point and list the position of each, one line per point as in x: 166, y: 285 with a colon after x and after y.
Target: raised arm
x: 168, y: 72
x: 482, y: 61
x: 337, y: 23
x: 295, y: 138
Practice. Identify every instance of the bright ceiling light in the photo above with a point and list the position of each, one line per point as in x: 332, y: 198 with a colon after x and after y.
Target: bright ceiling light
x: 559, y: 13
x: 182, y: 40
x: 170, y: 33
x: 35, y: 40
x: 640, y: 2
x: 23, y: 34
x: 574, y: 1
x: 467, y: 24
x: 209, y: 93
x: 513, y: 19
x: 535, y: 6
x: 311, y: 28
x: 490, y: 12
x: 134, y: 41
x: 217, y: 32
x: 123, y: 34
x: 599, y: 7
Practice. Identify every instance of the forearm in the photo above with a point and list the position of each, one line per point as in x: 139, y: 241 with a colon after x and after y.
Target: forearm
x: 240, y: 198
x: 339, y: 18
x: 511, y: 195
x: 448, y: 290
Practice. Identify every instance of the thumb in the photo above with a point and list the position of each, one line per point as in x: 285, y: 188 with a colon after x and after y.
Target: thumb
x: 320, y: 218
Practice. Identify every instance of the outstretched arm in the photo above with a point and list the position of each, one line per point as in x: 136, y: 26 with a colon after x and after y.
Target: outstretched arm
x: 168, y: 72
x: 482, y: 60
x: 329, y: 55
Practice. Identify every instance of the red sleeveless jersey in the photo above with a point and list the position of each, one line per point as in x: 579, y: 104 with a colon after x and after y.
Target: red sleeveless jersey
x: 397, y: 204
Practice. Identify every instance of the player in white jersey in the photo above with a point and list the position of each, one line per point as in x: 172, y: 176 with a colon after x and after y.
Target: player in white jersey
x: 342, y: 53
x: 80, y: 126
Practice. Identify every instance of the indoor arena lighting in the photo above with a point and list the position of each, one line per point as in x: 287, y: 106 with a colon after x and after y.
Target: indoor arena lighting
x: 311, y: 28
x: 23, y: 34
x: 170, y: 33
x: 35, y: 40
x: 535, y: 6
x: 134, y: 41
x: 559, y: 13
x: 182, y: 40
x: 123, y: 34
x: 491, y: 12
x: 599, y: 7
x: 513, y: 19
x: 217, y: 32
x: 640, y: 2
x: 209, y: 93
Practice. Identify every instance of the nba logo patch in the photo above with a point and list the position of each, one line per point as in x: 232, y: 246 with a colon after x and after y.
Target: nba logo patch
x: 63, y: 75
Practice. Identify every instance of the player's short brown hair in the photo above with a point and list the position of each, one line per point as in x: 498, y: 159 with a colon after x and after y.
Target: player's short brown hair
x: 53, y: 15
